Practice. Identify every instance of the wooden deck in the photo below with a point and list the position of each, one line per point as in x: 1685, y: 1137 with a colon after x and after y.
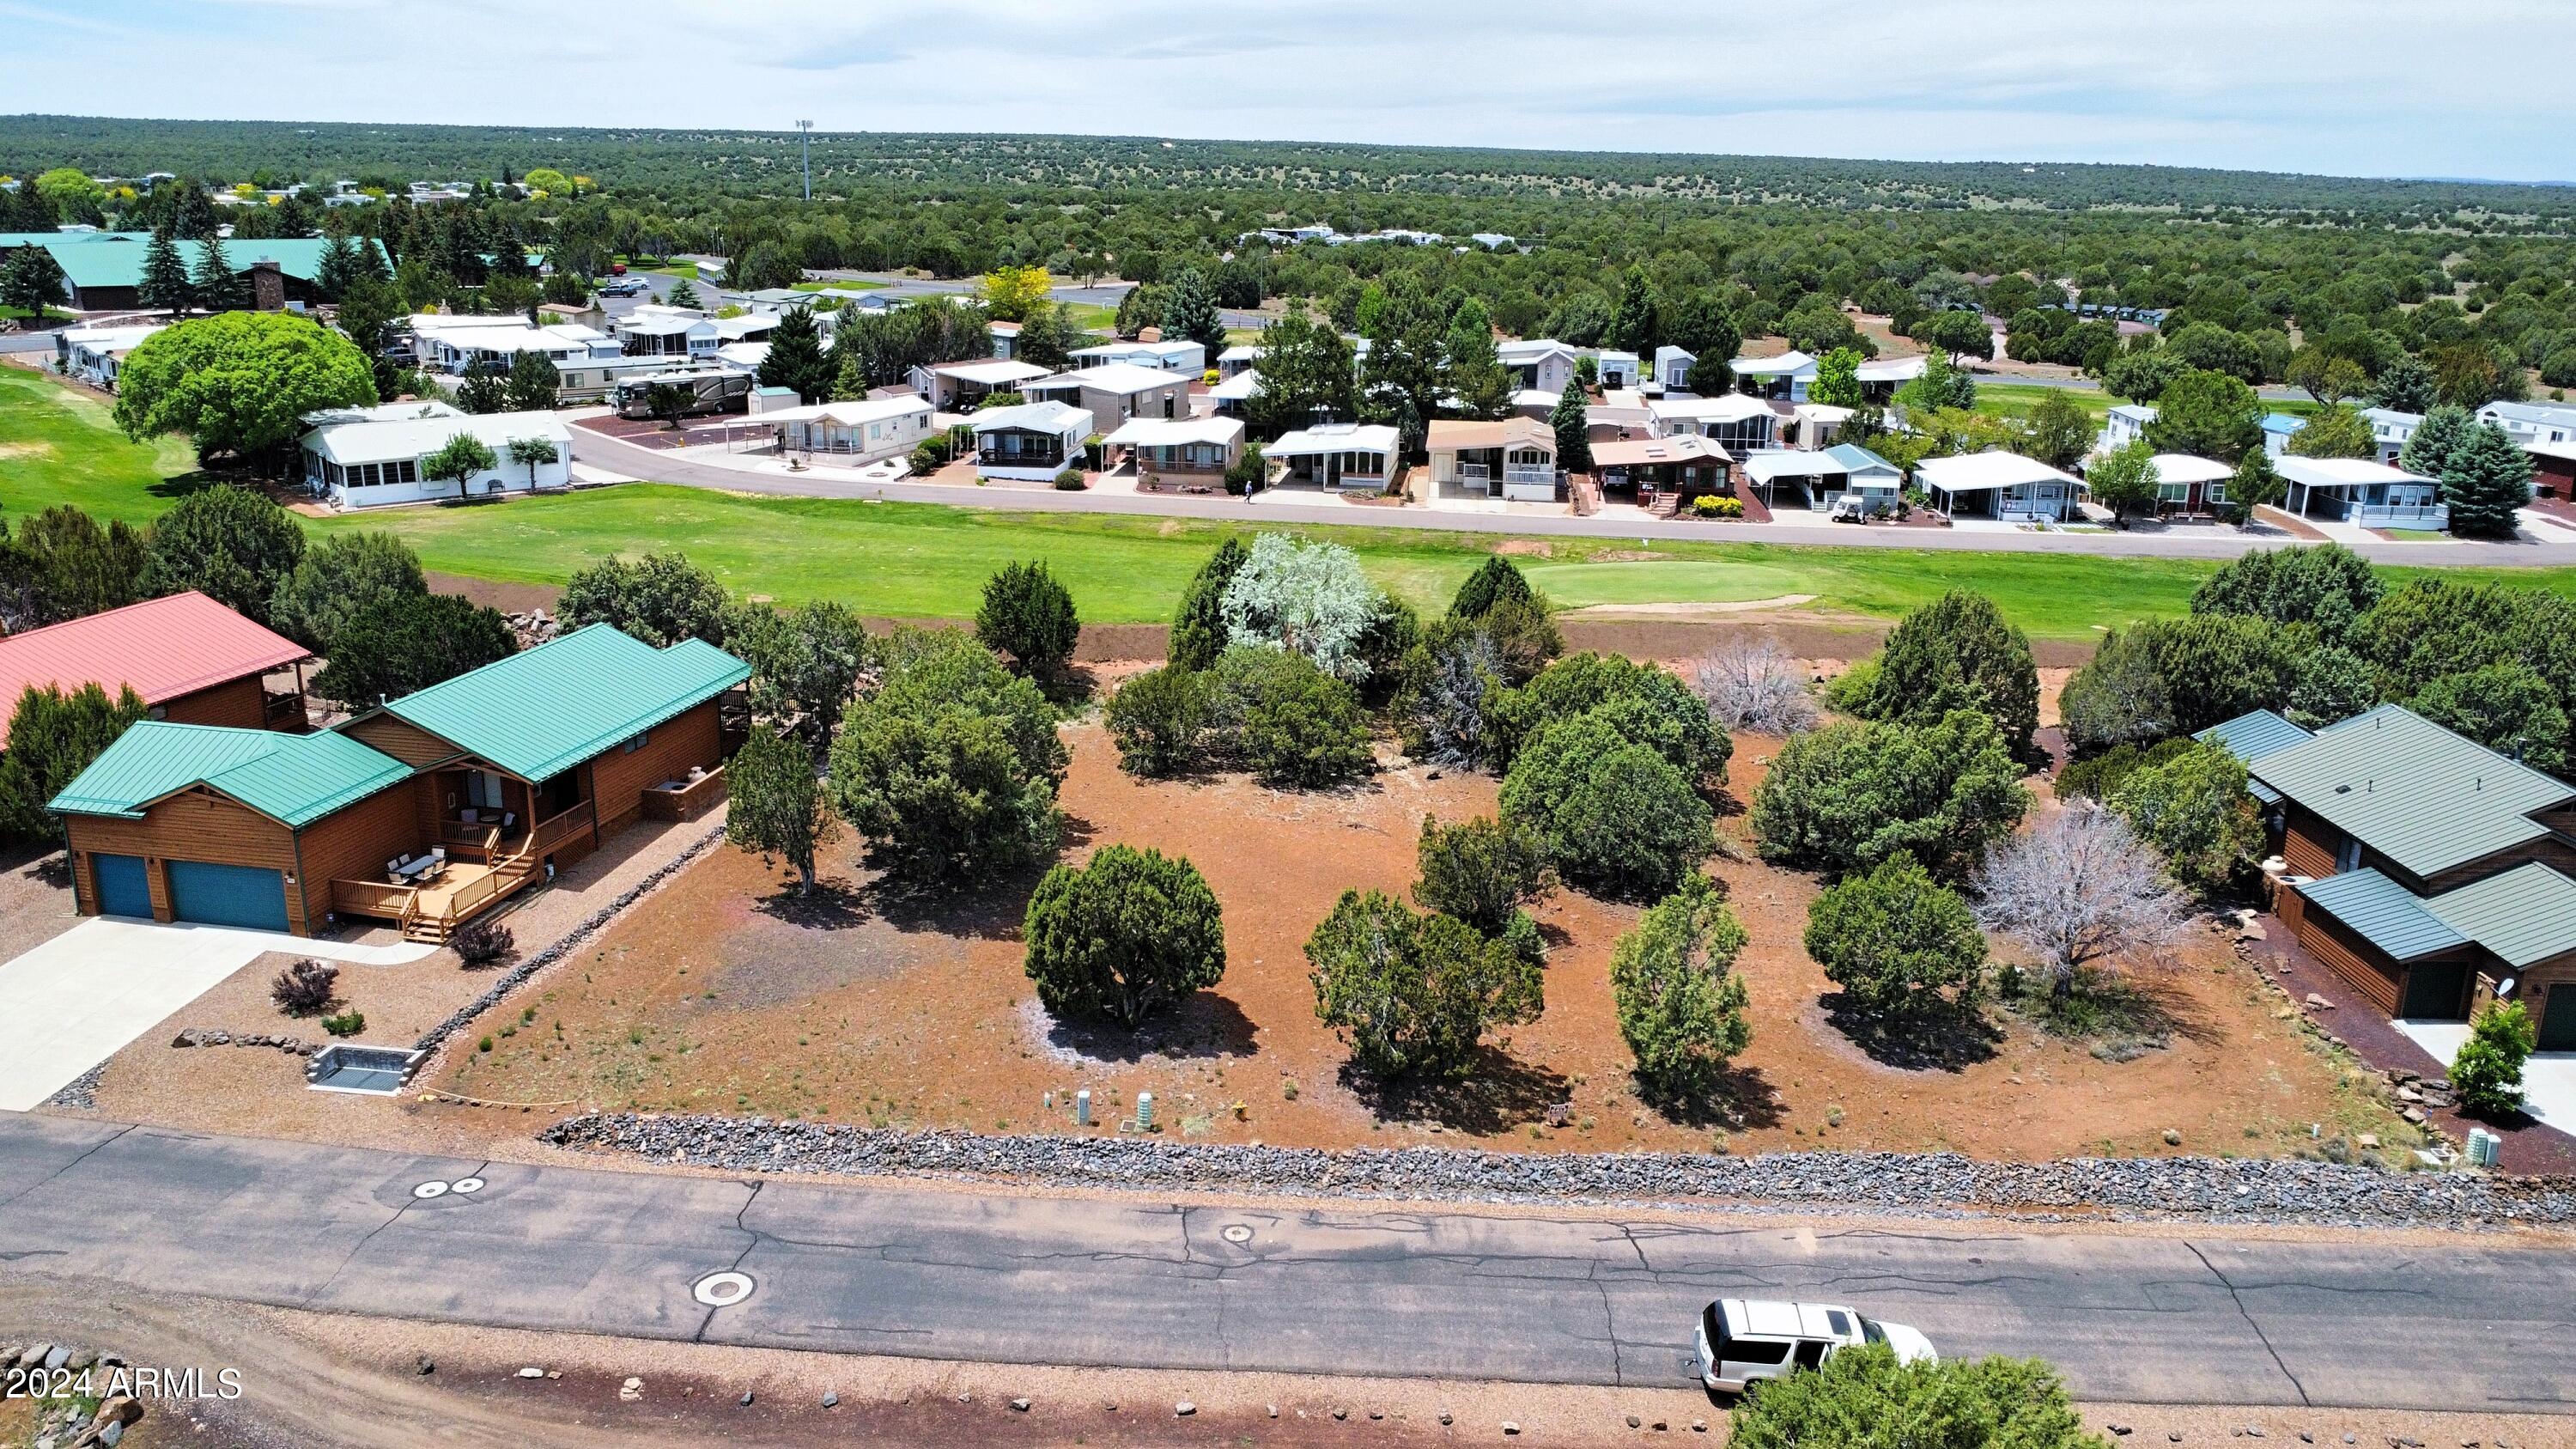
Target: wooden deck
x: 468, y: 887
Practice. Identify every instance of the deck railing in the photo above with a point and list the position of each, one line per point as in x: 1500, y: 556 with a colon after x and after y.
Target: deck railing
x: 373, y: 898
x: 554, y: 830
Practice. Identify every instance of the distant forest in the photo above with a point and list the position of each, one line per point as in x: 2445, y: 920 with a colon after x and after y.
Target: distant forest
x: 2419, y: 288
x: 765, y: 163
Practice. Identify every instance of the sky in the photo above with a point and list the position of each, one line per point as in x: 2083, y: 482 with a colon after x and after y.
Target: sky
x: 2464, y: 88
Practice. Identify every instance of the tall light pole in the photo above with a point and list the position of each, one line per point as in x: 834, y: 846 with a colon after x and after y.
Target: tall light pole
x: 805, y: 145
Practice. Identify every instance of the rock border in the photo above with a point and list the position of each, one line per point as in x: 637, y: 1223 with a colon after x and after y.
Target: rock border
x: 2195, y: 1189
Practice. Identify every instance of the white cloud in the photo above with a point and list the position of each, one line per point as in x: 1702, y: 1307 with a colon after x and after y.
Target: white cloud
x: 2380, y: 87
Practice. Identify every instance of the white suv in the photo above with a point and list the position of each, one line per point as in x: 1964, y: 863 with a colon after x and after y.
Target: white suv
x: 1745, y: 1340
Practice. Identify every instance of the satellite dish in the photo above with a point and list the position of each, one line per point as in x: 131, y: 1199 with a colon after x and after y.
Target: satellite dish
x: 2504, y: 988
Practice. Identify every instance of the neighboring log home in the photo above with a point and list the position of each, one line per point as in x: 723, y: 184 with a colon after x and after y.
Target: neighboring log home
x: 2430, y: 872
x: 423, y: 812
x: 191, y: 660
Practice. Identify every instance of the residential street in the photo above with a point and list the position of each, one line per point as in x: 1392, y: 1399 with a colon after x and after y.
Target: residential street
x: 614, y: 456
x: 988, y: 1275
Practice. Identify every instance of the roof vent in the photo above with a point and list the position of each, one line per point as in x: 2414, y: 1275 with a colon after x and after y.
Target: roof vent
x: 2343, y: 789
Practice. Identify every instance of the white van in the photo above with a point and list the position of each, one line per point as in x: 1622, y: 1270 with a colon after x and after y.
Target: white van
x: 1745, y: 1340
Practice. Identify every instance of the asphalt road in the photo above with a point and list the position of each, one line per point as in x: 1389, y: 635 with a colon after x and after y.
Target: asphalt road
x: 626, y: 458
x: 989, y: 1276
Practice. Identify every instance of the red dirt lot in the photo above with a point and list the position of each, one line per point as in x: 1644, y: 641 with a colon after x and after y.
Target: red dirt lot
x: 726, y: 993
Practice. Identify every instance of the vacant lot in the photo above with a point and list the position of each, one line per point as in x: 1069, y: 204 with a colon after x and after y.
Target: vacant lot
x: 727, y: 993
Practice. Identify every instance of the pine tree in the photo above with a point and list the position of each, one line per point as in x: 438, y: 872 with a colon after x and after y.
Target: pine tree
x: 796, y: 358
x: 2405, y: 385
x: 2486, y: 479
x: 218, y: 286
x: 1573, y: 434
x: 337, y: 268
x: 1476, y: 376
x: 1191, y: 312
x: 1633, y: 323
x: 2429, y: 448
x: 165, y: 286
x: 684, y: 294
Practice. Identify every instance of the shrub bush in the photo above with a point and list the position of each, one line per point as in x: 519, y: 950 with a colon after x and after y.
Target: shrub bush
x: 1850, y: 795
x: 1862, y: 1394
x: 1158, y: 720
x: 1070, y: 481
x: 2194, y: 809
x: 1752, y: 684
x: 1288, y: 721
x: 1614, y: 816
x: 1957, y: 652
x: 1648, y: 703
x: 304, y: 988
x: 1896, y: 940
x: 2488, y: 1068
x: 484, y: 942
x: 2097, y: 776
x: 1415, y: 994
x: 1681, y: 1006
x: 1028, y: 617
x: 1124, y: 937
x: 1480, y: 871
x: 349, y: 1023
x: 1717, y: 505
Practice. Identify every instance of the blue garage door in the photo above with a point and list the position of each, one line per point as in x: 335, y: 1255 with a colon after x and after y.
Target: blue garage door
x: 124, y: 889
x: 227, y: 895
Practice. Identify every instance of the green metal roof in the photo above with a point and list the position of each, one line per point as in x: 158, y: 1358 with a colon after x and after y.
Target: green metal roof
x: 2411, y: 790
x: 542, y: 711
x: 2250, y: 737
x: 2384, y: 913
x: 2524, y: 915
x: 292, y: 779
x: 119, y: 262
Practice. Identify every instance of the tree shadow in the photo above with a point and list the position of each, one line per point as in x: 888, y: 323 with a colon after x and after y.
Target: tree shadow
x: 1205, y: 1024
x: 833, y: 905
x: 990, y: 908
x: 45, y: 861
x: 2122, y: 1017
x: 1500, y: 1093
x: 1741, y: 1100
x: 1944, y: 1038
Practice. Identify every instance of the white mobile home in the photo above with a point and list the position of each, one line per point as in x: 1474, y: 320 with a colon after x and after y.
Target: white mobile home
x: 372, y: 457
x: 1334, y: 455
x: 1187, y: 358
x: 1032, y: 442
x: 93, y: 354
x: 2000, y: 485
x: 861, y: 431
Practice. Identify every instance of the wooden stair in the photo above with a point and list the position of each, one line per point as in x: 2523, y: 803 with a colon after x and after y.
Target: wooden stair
x: 507, y: 876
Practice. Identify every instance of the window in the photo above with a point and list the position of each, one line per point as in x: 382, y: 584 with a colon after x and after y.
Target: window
x: 2173, y: 492
x: 2217, y: 493
x: 1756, y: 1350
x: 635, y: 743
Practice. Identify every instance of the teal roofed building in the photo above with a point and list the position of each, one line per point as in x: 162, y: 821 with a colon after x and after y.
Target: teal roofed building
x: 422, y: 812
x: 103, y: 270
x: 2431, y: 873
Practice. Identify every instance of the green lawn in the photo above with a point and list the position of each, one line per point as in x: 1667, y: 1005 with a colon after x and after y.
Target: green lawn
x: 854, y: 285
x: 57, y: 445
x: 2016, y: 399
x: 1091, y: 316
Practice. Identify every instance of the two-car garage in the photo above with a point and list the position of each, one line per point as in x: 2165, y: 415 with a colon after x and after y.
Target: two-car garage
x: 202, y: 891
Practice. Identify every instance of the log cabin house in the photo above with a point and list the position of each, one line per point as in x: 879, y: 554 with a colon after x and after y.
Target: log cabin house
x: 423, y: 812
x: 190, y: 659
x: 2431, y: 873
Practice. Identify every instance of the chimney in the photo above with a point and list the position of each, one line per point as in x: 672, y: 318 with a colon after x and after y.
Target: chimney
x: 267, y: 287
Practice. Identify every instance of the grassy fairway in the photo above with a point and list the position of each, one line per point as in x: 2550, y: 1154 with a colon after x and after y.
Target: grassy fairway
x: 930, y: 560
x: 58, y: 445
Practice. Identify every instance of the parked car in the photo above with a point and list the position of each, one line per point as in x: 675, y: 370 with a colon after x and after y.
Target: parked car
x: 623, y: 287
x: 1743, y: 1341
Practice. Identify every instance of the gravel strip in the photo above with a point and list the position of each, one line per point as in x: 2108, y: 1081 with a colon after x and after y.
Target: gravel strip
x: 517, y: 976
x: 81, y: 1092
x: 2201, y: 1189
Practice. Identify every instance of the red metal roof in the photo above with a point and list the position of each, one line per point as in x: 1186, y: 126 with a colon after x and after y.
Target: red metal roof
x: 164, y: 648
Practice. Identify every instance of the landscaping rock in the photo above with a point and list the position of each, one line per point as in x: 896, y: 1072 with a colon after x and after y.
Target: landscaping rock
x: 831, y: 1400
x: 630, y: 1391
x: 746, y: 1398
x: 424, y: 1364
x: 1184, y: 1409
x: 1019, y: 1406
x: 2197, y: 1188
x: 532, y: 1372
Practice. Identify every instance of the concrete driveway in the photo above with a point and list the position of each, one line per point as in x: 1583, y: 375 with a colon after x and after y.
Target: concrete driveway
x: 70, y: 1003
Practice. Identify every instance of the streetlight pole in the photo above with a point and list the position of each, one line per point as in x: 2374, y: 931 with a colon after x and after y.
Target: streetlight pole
x: 805, y: 145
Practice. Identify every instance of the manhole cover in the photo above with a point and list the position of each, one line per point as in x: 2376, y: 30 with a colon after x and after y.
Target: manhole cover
x: 430, y: 1189
x: 722, y: 1290
x: 1235, y: 1233
x: 466, y: 1185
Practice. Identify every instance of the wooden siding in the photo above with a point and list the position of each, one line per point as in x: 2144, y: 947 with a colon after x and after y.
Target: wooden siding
x: 2358, y: 962
x: 353, y: 844
x: 193, y: 825
x: 405, y: 742
x: 240, y: 704
x: 618, y: 777
x: 2308, y: 844
x: 2549, y: 850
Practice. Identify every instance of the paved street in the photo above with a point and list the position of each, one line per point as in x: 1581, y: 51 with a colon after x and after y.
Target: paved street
x: 990, y: 1276
x: 629, y: 460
